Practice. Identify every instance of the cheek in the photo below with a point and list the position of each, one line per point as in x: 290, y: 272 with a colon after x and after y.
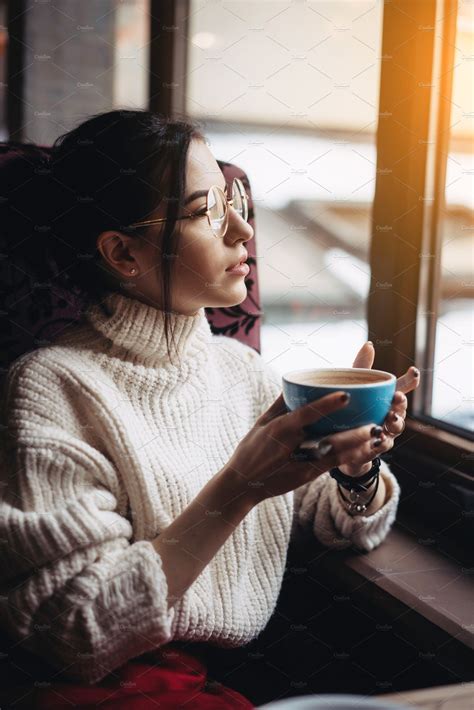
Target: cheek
x: 199, y: 259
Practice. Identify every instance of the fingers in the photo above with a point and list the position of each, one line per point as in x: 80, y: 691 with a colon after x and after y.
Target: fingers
x: 370, y: 436
x: 395, y: 419
x: 316, y: 410
x: 365, y: 453
x: 394, y: 423
x: 409, y: 381
x: 354, y: 438
x: 278, y: 407
x: 399, y: 402
x: 366, y: 356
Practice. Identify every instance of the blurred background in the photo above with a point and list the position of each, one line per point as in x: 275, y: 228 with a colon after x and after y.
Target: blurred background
x: 290, y: 93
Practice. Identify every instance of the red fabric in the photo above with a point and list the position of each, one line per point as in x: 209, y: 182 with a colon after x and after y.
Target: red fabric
x: 174, y: 680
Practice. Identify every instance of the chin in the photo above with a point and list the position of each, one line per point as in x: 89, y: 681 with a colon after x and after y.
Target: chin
x: 239, y: 299
x: 228, y: 300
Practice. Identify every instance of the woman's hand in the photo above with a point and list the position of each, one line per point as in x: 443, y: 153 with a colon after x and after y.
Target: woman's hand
x: 269, y: 461
x: 394, y: 422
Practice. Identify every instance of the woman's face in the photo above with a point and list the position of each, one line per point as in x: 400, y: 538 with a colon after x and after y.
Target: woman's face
x: 199, y: 277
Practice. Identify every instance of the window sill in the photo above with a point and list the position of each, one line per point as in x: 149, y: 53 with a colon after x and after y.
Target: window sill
x: 435, y: 586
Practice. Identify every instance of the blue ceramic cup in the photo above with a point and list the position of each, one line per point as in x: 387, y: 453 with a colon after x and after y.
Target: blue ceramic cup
x: 371, y: 396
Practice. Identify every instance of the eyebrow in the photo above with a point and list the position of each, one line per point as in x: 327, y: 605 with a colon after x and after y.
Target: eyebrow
x: 199, y: 193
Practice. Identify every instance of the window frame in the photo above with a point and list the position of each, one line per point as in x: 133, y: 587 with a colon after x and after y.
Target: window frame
x: 412, y: 144
x: 168, y: 54
x: 15, y: 70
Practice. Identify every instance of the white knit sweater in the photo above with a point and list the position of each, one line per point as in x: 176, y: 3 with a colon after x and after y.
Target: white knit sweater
x: 107, y: 443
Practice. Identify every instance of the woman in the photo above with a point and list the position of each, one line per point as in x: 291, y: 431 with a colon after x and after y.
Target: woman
x: 151, y: 465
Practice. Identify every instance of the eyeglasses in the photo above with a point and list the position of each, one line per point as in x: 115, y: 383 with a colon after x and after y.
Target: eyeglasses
x: 217, y: 208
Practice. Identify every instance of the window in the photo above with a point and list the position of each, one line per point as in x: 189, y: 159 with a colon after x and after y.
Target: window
x: 452, y: 397
x: 92, y: 58
x: 131, y: 60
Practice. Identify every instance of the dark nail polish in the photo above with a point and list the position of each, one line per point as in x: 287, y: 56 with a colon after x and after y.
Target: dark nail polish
x: 345, y: 397
x: 376, y: 442
x: 376, y: 431
x: 416, y: 372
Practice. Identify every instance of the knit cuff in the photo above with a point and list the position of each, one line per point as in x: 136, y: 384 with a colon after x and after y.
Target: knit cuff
x: 366, y: 532
x: 115, y: 611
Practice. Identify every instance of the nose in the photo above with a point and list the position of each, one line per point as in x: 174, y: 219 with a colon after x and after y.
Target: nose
x: 238, y: 228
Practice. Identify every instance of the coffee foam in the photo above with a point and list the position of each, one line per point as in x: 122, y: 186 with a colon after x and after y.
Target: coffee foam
x: 339, y: 379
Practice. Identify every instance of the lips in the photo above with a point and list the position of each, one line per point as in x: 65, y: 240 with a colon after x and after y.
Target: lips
x: 242, y: 259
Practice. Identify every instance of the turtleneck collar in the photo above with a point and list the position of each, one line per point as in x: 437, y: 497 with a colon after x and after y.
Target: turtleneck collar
x: 137, y: 329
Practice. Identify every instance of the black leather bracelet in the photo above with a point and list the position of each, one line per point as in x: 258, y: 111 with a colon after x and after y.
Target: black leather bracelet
x: 356, y: 483
x: 360, y: 487
x: 354, y: 505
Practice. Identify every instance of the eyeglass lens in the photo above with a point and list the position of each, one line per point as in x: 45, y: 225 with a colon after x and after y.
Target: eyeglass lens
x: 218, y: 207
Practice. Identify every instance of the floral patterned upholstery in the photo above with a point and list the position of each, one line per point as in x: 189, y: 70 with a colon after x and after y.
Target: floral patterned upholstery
x: 34, y: 312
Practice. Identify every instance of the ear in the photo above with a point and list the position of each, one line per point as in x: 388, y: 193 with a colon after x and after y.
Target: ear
x: 114, y: 248
x: 366, y: 356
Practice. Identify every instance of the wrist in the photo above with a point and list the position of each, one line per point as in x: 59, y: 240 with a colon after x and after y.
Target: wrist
x: 236, y: 496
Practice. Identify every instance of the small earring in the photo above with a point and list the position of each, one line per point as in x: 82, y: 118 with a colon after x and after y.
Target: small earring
x: 133, y: 271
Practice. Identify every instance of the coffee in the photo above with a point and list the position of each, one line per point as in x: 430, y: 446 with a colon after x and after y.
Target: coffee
x: 340, y: 378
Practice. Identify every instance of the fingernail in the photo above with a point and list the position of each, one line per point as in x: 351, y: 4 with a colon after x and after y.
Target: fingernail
x: 416, y: 372
x: 345, y: 397
x: 394, y: 416
x: 376, y: 431
x: 376, y: 442
x: 370, y: 342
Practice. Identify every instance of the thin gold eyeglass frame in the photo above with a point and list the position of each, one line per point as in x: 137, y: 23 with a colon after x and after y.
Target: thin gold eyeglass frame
x: 206, y: 213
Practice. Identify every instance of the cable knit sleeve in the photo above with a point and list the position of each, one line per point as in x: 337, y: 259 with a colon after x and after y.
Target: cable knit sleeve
x: 74, y: 588
x: 317, y: 507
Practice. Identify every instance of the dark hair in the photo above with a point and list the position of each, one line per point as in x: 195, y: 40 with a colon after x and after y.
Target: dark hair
x: 113, y: 169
